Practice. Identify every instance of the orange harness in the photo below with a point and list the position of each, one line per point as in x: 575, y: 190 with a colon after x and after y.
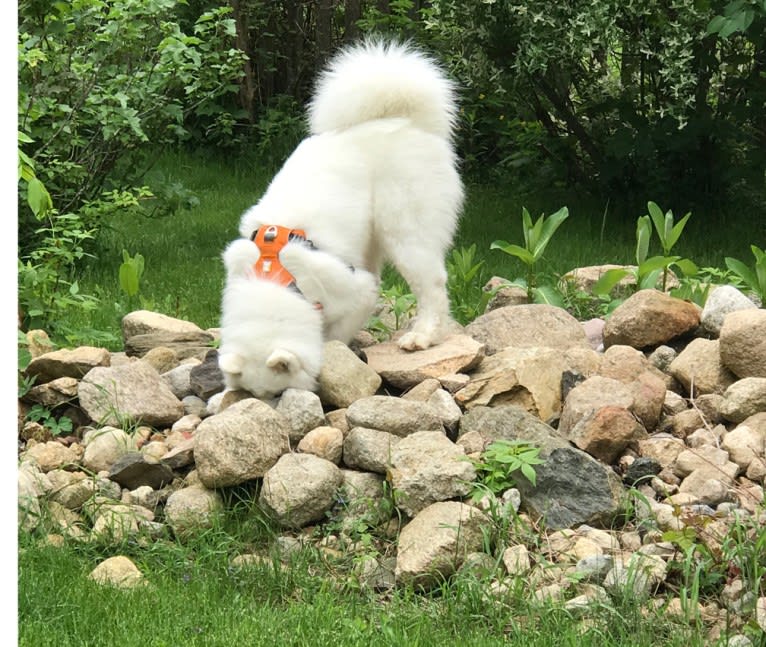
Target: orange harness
x: 270, y: 240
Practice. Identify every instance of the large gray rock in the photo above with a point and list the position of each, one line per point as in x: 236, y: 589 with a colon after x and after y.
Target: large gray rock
x: 183, y: 344
x: 394, y: 415
x: 404, y: 369
x: 434, y: 545
x: 527, y: 326
x: 239, y: 444
x: 427, y: 467
x: 134, y: 391
x: 650, y: 318
x: 572, y: 488
x: 299, y: 489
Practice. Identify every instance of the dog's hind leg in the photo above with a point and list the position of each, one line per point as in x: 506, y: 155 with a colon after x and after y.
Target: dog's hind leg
x: 426, y: 275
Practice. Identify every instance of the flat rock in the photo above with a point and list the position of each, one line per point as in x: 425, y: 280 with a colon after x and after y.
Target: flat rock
x: 142, y: 322
x: 403, y: 369
x: 184, y: 344
x: 527, y: 377
x: 394, y: 415
x: 67, y: 363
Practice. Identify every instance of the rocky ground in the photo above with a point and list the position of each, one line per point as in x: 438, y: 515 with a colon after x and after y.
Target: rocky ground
x: 651, y: 428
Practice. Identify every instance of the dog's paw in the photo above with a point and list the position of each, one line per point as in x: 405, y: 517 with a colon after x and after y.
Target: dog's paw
x: 414, y: 341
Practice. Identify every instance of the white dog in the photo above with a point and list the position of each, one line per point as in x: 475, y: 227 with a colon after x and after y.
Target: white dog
x: 376, y: 181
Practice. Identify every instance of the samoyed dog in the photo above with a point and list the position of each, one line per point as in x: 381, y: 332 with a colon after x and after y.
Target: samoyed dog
x: 376, y: 181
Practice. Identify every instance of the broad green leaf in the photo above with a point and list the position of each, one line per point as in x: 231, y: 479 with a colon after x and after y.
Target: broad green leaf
x: 38, y: 198
x: 526, y: 225
x: 658, y: 218
x: 742, y: 271
x: 547, y: 294
x: 128, y: 280
x: 687, y: 267
x: 656, y: 263
x: 650, y: 280
x: 514, y: 250
x: 548, y: 229
x: 643, y: 235
x: 529, y: 472
x: 608, y: 280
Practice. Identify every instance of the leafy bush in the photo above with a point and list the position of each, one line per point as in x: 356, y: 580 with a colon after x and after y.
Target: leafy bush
x: 501, y: 459
x: 99, y: 81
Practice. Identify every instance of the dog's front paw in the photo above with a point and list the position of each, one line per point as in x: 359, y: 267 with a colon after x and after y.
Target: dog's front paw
x: 415, y: 341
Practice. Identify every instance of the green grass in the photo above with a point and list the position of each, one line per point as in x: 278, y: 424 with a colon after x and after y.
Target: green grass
x: 194, y: 597
x: 183, y: 276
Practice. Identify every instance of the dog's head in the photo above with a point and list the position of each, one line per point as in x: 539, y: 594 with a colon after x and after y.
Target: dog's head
x: 266, y: 376
x: 271, y: 339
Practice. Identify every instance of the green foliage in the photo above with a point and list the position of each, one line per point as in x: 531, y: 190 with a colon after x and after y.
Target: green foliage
x: 499, y: 461
x: 465, y: 278
x: 43, y: 415
x: 131, y: 270
x: 279, y: 129
x: 98, y: 82
x: 753, y: 279
x: 47, y: 288
x: 399, y: 304
x: 536, y: 239
x: 648, y: 270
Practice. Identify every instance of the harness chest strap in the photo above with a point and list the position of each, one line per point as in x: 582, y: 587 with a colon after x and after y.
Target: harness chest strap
x: 270, y: 240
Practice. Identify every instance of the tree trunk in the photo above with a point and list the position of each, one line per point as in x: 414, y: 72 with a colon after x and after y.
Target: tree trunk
x: 247, y: 84
x: 324, y: 30
x: 352, y: 14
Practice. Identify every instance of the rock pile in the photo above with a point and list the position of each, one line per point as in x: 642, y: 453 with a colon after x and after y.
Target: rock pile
x: 655, y: 426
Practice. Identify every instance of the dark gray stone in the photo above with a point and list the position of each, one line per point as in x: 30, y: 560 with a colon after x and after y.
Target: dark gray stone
x: 135, y: 469
x: 206, y: 379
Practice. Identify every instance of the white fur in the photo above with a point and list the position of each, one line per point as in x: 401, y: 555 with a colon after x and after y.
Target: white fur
x: 376, y: 182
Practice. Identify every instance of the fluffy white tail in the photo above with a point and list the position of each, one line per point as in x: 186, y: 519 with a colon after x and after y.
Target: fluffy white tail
x: 377, y: 80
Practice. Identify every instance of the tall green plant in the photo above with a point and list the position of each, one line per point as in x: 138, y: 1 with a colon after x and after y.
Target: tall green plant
x: 537, y: 235
x: 648, y: 270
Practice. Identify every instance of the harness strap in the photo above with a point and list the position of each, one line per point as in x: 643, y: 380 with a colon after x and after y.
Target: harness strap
x: 270, y: 240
